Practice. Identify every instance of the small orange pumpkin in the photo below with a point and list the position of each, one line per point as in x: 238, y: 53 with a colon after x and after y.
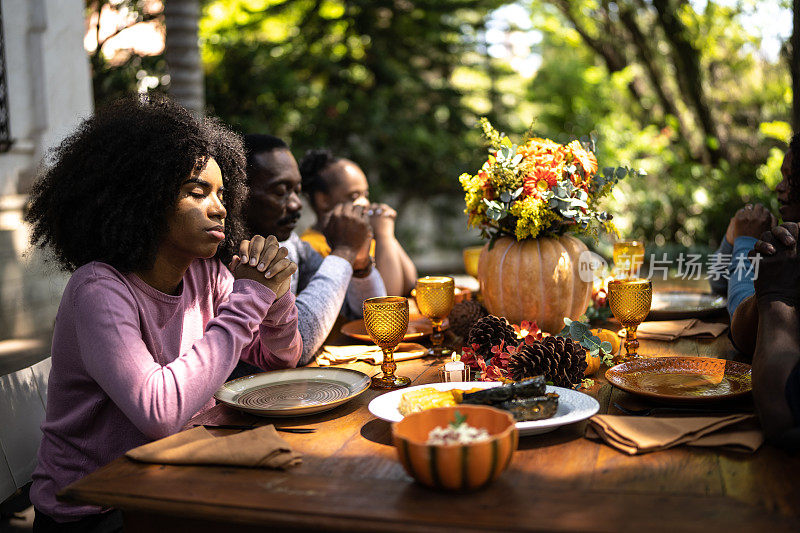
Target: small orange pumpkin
x: 610, y: 336
x: 593, y: 363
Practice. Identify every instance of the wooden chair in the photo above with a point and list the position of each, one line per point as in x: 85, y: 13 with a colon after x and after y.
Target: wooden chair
x: 23, y: 397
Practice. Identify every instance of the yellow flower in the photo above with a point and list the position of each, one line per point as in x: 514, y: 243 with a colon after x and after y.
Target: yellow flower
x: 532, y: 215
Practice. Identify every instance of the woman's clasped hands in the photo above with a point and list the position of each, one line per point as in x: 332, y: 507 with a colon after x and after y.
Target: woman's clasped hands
x: 265, y: 261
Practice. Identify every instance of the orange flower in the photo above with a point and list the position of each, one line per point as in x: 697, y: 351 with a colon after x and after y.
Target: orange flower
x: 488, y: 190
x: 540, y: 180
x: 529, y: 188
x: 547, y: 175
x: 586, y: 158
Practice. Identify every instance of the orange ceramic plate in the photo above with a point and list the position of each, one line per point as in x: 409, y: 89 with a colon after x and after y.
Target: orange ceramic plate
x: 682, y: 378
x: 418, y: 326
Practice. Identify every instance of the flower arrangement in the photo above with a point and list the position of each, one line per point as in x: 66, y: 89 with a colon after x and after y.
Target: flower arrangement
x: 538, y: 188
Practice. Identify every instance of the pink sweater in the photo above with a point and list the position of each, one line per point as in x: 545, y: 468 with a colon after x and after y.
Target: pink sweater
x: 132, y: 364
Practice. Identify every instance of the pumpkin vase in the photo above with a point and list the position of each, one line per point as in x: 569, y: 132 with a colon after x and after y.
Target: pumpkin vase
x: 534, y: 279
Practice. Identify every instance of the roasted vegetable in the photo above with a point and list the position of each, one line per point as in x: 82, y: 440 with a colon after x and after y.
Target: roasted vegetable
x: 529, y: 388
x: 536, y: 408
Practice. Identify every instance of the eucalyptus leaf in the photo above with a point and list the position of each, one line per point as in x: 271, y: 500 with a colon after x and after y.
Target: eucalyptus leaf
x: 576, y: 202
x: 620, y: 173
x: 578, y: 329
x: 606, y: 346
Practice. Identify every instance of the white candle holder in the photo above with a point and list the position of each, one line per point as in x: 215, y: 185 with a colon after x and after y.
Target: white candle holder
x: 454, y: 371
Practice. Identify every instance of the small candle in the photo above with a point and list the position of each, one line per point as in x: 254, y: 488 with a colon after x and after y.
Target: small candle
x: 454, y: 371
x: 454, y: 366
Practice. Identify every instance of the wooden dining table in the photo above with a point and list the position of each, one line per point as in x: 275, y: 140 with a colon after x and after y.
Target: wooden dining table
x: 350, y: 478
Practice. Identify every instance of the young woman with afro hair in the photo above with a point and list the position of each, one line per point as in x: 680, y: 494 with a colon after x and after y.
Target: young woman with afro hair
x: 141, y: 203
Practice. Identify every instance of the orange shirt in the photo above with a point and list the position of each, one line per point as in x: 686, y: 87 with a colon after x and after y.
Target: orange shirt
x: 319, y: 243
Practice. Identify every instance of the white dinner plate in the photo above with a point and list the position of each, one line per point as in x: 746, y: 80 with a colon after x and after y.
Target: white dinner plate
x: 293, y: 392
x: 573, y: 406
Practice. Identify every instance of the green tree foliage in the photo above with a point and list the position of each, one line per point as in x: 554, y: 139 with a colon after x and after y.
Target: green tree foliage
x: 684, y: 93
x: 371, y: 79
x: 115, y: 77
x: 679, y: 88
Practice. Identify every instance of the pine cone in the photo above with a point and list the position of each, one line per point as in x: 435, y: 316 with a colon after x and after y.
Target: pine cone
x: 562, y: 361
x: 491, y: 331
x: 464, y: 315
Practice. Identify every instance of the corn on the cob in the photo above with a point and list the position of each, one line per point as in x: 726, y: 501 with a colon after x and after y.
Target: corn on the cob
x: 428, y: 398
x: 425, y: 398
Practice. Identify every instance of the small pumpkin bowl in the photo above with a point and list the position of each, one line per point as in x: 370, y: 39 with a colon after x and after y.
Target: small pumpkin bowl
x: 456, y: 466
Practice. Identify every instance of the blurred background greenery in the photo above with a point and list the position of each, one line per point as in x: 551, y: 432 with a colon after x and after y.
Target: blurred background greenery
x: 697, y: 93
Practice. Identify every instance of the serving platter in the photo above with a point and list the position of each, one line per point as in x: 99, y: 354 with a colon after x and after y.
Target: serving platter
x: 573, y: 406
x: 293, y: 392
x: 674, y: 305
x: 682, y: 379
x: 418, y: 327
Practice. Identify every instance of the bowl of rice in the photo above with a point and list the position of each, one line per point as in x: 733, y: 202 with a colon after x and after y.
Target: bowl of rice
x: 463, y: 447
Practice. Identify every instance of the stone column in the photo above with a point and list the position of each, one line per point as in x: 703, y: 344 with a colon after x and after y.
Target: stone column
x: 182, y: 53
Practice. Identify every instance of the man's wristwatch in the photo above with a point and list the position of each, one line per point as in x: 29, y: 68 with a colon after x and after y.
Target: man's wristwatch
x: 364, y: 272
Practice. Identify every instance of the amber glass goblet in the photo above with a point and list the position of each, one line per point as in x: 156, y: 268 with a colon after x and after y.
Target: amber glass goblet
x: 629, y: 300
x: 471, y: 257
x: 386, y: 320
x: 628, y: 259
x: 435, y: 298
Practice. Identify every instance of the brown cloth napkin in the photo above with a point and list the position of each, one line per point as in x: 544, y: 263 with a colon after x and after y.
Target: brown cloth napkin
x: 260, y: 447
x: 669, y: 330
x: 335, y: 355
x: 635, y: 434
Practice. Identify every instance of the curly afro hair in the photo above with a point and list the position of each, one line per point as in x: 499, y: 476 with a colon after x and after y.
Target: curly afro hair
x: 109, y: 187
